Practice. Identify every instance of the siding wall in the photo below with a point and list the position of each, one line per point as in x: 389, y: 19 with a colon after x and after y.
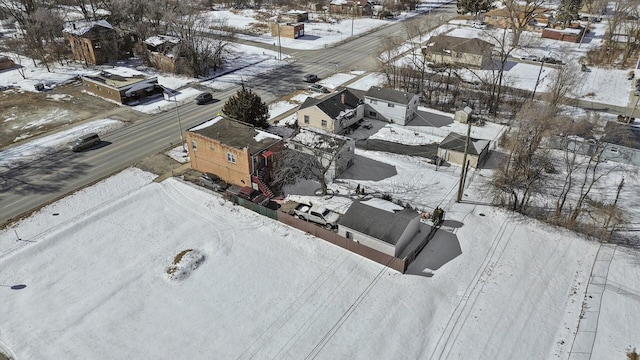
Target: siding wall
x: 211, y: 156
x: 102, y: 90
x: 315, y: 119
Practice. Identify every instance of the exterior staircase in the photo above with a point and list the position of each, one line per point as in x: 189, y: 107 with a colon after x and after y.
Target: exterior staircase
x: 263, y: 187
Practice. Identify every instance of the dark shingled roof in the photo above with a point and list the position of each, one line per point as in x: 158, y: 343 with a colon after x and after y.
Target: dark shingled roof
x: 333, y: 104
x: 455, y: 142
x: 236, y: 134
x: 462, y: 45
x: 622, y: 135
x: 393, y: 95
x: 377, y: 223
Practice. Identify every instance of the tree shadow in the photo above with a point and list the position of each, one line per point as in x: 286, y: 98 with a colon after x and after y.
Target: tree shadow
x: 427, y: 118
x: 443, y: 248
x: 495, y: 160
x: 308, y: 37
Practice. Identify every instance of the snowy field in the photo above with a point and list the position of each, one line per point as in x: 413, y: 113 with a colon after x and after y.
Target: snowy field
x: 89, y: 278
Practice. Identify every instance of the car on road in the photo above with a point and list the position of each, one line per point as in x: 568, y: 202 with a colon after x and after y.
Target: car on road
x: 550, y: 60
x: 311, y: 78
x: 204, y: 98
x: 478, y: 25
x: 318, y: 88
x: 213, y: 182
x: 85, y: 141
x: 530, y: 58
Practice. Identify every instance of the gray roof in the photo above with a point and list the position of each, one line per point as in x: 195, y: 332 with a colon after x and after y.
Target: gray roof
x: 455, y: 142
x: 81, y: 28
x: 380, y: 224
x: 393, y: 95
x: 236, y: 134
x: 462, y: 45
x: 622, y: 134
x: 333, y: 104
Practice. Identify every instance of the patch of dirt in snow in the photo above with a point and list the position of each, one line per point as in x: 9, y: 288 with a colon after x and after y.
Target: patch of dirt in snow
x: 184, y: 263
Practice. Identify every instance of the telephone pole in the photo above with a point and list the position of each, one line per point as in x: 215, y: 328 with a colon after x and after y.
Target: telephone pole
x: 463, y: 172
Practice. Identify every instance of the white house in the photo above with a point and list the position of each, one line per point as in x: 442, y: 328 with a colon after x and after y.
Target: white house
x: 333, y: 114
x: 380, y: 225
x: 391, y: 105
x: 335, y: 151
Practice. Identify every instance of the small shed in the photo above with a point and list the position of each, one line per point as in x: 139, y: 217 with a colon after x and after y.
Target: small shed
x: 451, y: 149
x: 463, y: 116
x: 295, y: 16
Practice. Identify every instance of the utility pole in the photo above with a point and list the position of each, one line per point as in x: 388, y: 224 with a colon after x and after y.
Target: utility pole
x: 464, y: 161
x: 353, y: 15
x: 279, y: 43
x: 537, y: 80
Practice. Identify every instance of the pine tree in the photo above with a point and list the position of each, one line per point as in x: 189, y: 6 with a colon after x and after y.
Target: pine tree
x: 568, y: 11
x: 247, y: 107
x: 473, y: 6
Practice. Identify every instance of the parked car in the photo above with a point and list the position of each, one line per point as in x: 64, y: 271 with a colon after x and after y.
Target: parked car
x: 212, y: 181
x: 255, y: 196
x: 551, y: 60
x: 317, y: 214
x: 204, y: 98
x: 478, y: 25
x: 318, y: 88
x: 367, y: 124
x: 311, y: 78
x: 530, y: 58
x: 84, y: 142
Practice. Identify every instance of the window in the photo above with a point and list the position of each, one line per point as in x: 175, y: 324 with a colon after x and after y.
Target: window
x: 349, y: 235
x: 614, y: 150
x: 373, y: 114
x: 324, y: 123
x: 231, y: 158
x: 306, y: 119
x: 97, y: 46
x: 390, y: 105
x: 194, y: 146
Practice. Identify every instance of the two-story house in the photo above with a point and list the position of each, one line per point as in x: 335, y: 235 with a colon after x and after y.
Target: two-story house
x: 92, y: 42
x: 333, y: 114
x: 395, y: 106
x: 457, y: 51
x: 333, y: 151
x: 237, y: 152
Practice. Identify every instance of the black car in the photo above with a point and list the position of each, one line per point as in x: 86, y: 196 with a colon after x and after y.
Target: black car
x: 204, y: 98
x: 311, y: 78
x: 213, y: 182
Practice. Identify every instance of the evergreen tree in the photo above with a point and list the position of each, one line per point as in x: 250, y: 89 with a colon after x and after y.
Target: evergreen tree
x: 247, y: 107
x: 473, y: 6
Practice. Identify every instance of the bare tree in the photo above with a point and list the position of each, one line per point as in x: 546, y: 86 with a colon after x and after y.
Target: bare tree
x: 521, y: 13
x: 565, y: 80
x: 389, y: 51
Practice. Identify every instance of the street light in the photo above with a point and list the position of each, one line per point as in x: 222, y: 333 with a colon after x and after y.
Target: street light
x: 175, y: 100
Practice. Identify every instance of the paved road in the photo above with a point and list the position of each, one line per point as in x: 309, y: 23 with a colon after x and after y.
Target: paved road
x: 31, y: 185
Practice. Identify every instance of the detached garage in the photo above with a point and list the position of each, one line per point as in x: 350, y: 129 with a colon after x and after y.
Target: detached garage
x: 451, y: 149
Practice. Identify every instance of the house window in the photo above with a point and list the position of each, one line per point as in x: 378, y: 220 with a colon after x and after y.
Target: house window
x: 373, y: 114
x: 306, y: 119
x: 349, y: 235
x: 324, y: 123
x: 231, y: 158
x: 390, y: 105
x: 97, y: 46
x: 194, y: 146
x: 614, y: 150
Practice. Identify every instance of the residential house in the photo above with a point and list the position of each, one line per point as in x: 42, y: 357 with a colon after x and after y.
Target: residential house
x: 622, y: 143
x: 164, y: 53
x: 237, y: 152
x: 333, y: 151
x: 381, y: 225
x: 451, y: 149
x: 501, y: 17
x: 334, y: 113
x: 464, y: 52
x: 287, y: 30
x: 391, y: 105
x: 92, y: 42
x: 122, y: 85
x: 352, y: 7
x: 295, y: 16
x: 6, y: 63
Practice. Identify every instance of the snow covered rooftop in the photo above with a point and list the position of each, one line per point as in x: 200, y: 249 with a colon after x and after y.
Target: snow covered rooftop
x: 161, y: 39
x: 82, y: 27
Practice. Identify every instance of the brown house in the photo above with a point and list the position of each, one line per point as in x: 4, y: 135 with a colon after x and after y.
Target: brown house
x: 351, y: 7
x: 6, y: 63
x: 295, y: 16
x: 288, y: 30
x: 445, y: 49
x: 164, y: 53
x: 121, y: 85
x: 92, y: 42
x: 502, y: 18
x: 237, y: 152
